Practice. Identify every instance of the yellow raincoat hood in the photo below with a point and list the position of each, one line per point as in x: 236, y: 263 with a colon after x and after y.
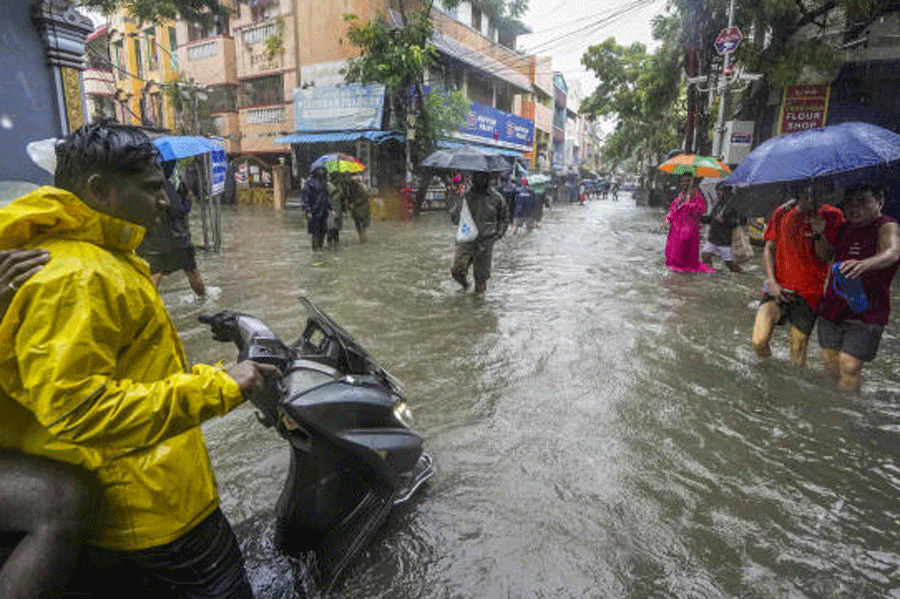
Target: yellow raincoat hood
x: 92, y: 372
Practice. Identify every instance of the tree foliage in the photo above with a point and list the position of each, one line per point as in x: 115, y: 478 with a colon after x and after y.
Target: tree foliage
x: 156, y: 11
x: 393, y: 56
x: 642, y: 91
x: 783, y: 40
x: 397, y: 57
x: 181, y: 94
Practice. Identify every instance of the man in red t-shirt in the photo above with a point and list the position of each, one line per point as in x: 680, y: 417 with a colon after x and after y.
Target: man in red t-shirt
x: 800, y: 240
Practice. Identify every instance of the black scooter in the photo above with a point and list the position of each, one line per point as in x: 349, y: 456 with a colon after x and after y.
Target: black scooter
x: 353, y: 453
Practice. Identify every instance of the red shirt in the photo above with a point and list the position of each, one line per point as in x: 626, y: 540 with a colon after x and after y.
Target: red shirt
x: 797, y: 267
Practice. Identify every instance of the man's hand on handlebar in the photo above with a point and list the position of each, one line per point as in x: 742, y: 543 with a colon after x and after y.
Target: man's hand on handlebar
x: 251, y: 376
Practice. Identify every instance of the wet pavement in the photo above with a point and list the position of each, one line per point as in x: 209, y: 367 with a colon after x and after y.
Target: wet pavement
x: 600, y: 425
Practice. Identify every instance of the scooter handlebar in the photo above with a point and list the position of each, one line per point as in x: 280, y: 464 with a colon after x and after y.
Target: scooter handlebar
x: 253, y: 338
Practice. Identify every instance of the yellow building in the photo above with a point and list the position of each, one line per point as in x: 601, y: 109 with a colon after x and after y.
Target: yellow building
x: 144, y: 57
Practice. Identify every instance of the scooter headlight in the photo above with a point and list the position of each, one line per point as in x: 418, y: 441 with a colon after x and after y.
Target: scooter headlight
x: 403, y: 414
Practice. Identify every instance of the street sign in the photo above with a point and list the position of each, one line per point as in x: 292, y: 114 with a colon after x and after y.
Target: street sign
x: 728, y: 39
x: 218, y: 167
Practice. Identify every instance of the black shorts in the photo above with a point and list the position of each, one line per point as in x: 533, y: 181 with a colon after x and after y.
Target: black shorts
x: 797, y: 312
x: 177, y: 259
x: 857, y: 339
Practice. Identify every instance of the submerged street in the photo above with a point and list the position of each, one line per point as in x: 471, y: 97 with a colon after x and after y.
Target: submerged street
x: 600, y: 425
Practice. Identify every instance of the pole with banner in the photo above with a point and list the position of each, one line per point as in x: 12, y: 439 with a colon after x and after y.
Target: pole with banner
x: 218, y: 169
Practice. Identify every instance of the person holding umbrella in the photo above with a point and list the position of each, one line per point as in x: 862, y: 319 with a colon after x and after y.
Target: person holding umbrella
x: 316, y: 204
x: 683, y: 241
x: 867, y: 254
x: 482, y: 216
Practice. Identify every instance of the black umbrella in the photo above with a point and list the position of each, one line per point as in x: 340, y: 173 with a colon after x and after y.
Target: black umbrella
x: 466, y: 158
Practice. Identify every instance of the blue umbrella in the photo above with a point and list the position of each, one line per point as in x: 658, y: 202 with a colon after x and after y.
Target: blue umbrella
x: 814, y: 153
x: 174, y: 147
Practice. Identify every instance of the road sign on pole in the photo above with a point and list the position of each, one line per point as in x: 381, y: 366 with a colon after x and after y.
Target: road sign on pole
x: 728, y: 40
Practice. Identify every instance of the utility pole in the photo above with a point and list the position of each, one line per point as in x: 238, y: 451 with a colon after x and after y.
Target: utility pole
x: 719, y: 135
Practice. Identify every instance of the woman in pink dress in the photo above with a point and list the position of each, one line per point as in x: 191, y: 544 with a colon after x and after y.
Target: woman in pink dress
x: 683, y: 244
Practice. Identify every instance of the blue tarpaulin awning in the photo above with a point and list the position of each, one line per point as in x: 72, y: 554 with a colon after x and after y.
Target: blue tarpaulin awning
x: 172, y: 147
x: 332, y: 136
x: 495, y: 149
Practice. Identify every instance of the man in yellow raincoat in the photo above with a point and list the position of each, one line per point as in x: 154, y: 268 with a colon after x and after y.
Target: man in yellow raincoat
x: 92, y: 371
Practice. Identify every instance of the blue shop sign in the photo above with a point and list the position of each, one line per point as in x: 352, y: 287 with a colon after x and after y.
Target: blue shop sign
x: 497, y: 125
x: 350, y: 106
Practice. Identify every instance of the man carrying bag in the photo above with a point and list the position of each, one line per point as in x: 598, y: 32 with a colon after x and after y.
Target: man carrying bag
x: 481, y: 216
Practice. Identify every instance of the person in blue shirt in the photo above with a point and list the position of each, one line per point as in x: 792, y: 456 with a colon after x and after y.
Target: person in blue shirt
x: 526, y: 206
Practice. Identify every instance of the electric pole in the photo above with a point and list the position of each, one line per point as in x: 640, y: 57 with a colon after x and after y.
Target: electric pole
x: 719, y: 135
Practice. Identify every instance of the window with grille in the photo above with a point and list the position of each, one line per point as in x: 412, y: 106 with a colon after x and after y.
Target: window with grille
x: 212, y: 26
x: 261, y: 10
x: 262, y: 90
x: 222, y: 98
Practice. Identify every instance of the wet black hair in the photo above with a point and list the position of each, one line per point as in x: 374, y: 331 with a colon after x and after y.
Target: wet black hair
x: 168, y: 168
x: 876, y: 191
x: 103, y: 147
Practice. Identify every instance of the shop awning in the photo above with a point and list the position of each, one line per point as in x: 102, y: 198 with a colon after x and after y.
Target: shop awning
x: 496, y: 150
x: 482, y: 62
x: 331, y: 136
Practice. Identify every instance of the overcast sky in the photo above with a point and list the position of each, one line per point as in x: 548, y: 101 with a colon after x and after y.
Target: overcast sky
x: 564, y: 29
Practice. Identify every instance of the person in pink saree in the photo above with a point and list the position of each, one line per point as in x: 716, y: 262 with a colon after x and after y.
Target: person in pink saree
x: 683, y: 243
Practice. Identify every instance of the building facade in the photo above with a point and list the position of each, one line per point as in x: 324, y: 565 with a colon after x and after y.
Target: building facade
x: 257, y: 72
x: 143, y: 59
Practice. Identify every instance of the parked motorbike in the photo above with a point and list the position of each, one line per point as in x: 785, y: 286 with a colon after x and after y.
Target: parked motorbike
x: 354, y: 454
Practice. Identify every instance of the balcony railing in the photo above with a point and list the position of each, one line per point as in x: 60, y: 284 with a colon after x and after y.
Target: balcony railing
x: 204, y: 50
x: 265, y: 116
x: 260, y: 33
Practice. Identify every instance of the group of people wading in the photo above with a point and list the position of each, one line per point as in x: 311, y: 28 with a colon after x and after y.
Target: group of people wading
x: 823, y: 264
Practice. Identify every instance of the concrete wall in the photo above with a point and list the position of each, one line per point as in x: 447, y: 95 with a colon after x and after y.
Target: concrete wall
x: 209, y: 61
x: 323, y: 31
x: 28, y: 110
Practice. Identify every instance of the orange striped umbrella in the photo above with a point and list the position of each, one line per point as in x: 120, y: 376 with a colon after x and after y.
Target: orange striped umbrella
x: 692, y: 164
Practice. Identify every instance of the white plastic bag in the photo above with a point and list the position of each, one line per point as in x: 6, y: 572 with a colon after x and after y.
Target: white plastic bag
x: 467, y: 230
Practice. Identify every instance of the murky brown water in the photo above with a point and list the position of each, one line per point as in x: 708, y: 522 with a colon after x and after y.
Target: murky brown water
x: 600, y: 426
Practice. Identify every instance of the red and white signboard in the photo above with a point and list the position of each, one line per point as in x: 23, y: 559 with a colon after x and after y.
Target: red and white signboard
x: 804, y: 107
x: 728, y: 40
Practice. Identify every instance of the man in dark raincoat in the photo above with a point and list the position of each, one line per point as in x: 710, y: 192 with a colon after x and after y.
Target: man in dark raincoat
x: 317, y: 204
x: 490, y: 215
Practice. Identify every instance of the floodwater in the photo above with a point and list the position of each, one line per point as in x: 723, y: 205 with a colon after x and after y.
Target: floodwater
x: 599, y: 425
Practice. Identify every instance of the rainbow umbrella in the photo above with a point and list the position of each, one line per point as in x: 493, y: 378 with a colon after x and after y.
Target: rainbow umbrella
x: 692, y: 164
x: 338, y: 163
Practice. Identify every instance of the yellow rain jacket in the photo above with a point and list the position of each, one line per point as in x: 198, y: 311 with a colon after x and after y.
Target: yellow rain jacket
x: 92, y: 372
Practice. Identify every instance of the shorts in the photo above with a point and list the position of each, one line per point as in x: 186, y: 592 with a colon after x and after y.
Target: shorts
x: 857, y: 339
x: 362, y: 222
x: 797, y: 312
x: 177, y: 259
x: 722, y: 251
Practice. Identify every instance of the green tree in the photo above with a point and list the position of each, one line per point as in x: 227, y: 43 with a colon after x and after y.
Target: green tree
x: 642, y: 92
x: 396, y: 57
